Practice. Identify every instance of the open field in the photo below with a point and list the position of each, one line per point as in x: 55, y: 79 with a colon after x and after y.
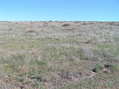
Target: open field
x: 59, y: 55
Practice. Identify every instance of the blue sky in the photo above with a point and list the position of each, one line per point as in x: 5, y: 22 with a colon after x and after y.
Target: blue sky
x: 79, y: 10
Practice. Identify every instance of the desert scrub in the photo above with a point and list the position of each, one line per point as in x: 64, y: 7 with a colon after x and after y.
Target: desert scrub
x: 18, y: 45
x: 21, y: 63
x: 60, y: 53
x: 109, y: 50
x: 66, y: 40
x: 24, y: 69
x: 65, y: 25
x: 89, y: 53
x: 24, y: 43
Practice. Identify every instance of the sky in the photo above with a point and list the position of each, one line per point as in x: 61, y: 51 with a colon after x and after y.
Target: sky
x: 59, y: 10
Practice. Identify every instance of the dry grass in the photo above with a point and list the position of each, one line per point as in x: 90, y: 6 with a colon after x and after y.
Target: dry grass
x: 59, y: 55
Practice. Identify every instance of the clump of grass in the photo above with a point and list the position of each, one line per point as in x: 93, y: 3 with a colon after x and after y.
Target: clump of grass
x: 114, y: 67
x: 98, y: 68
x: 109, y: 51
x: 106, y: 68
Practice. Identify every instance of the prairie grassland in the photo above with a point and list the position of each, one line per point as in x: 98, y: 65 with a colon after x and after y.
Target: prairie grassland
x: 59, y: 55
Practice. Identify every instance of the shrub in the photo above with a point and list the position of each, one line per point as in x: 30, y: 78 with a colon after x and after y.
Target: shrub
x: 98, y: 68
x: 65, y: 25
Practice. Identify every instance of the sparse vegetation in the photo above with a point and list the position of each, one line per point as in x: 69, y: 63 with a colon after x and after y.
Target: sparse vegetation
x: 52, y: 55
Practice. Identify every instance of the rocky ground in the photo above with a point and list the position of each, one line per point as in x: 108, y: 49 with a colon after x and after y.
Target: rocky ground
x: 59, y: 55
